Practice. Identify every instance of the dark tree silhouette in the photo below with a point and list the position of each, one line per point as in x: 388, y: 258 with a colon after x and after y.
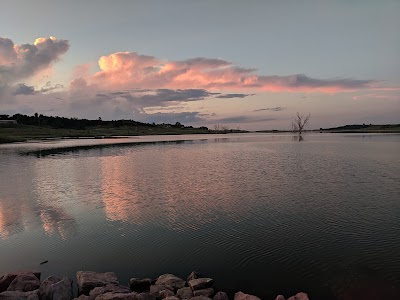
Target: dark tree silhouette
x: 300, y: 122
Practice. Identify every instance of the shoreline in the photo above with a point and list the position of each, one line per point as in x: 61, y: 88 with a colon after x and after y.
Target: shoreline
x: 27, y: 285
x: 4, y: 140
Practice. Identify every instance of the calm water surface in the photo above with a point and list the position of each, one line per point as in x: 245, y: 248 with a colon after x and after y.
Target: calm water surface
x: 266, y: 214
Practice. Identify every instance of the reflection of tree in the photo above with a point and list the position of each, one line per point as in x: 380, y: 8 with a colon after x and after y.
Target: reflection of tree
x: 297, y: 138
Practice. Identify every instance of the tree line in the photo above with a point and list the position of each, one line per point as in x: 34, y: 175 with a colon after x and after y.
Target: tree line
x: 75, y: 123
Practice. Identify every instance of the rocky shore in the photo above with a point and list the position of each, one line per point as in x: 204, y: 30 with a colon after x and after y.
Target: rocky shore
x: 106, y: 286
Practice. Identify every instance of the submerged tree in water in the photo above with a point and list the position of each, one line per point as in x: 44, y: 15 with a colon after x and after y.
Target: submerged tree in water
x: 300, y: 122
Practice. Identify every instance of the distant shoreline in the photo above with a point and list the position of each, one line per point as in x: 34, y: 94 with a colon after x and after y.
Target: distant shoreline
x: 13, y: 133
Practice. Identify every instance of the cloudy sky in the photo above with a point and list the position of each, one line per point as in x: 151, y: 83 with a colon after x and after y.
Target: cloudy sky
x: 248, y: 64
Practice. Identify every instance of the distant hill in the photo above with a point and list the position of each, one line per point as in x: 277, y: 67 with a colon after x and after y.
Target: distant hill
x: 364, y: 128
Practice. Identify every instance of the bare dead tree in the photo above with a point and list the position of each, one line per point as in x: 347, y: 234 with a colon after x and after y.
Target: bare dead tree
x: 300, y: 122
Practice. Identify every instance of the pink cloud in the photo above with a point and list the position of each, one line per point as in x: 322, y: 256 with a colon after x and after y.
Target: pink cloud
x: 123, y: 70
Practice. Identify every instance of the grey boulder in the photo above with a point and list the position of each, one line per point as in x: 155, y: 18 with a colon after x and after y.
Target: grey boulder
x: 54, y: 288
x: 82, y: 297
x: 109, y: 288
x: 185, y: 293
x: 18, y: 295
x: 243, y: 296
x: 299, y: 296
x: 201, y: 283
x: 145, y: 296
x: 280, y: 297
x: 172, y: 298
x: 161, y: 291
x: 171, y: 280
x: 193, y: 275
x: 165, y: 293
x: 7, y: 278
x: 24, y: 283
x: 221, y: 296
x: 88, y: 280
x: 209, y: 292
x: 118, y: 296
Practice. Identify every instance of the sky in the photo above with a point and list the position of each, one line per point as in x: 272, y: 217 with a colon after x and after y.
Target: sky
x: 242, y: 64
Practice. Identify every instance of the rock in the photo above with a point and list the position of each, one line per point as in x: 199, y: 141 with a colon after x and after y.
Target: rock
x: 194, y: 275
x: 185, y: 293
x: 145, y: 296
x: 221, y: 296
x: 109, y: 288
x: 299, y: 296
x: 243, y: 296
x: 54, y: 288
x: 201, y: 283
x: 140, y: 284
x: 171, y: 280
x: 172, y: 298
x: 158, y: 291
x: 200, y: 298
x: 280, y: 297
x: 88, y: 280
x: 165, y: 293
x: 209, y: 292
x: 24, y: 283
x: 118, y: 296
x: 82, y: 297
x: 18, y: 295
x: 7, y: 278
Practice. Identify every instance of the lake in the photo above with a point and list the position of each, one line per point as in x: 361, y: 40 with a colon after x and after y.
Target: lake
x: 262, y: 213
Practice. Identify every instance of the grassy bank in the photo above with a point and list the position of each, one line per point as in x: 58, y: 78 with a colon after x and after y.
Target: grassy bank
x: 388, y: 128
x: 21, y: 133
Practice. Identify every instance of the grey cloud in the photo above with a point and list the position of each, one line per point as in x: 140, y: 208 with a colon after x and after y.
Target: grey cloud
x: 170, y: 118
x: 303, y: 81
x: 243, y: 70
x: 28, y: 59
x: 23, y: 61
x: 166, y: 108
x: 241, y: 119
x: 51, y: 87
x: 23, y: 89
x: 228, y: 96
x: 206, y: 62
x: 278, y: 108
x: 158, y: 97
x: 7, y: 52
